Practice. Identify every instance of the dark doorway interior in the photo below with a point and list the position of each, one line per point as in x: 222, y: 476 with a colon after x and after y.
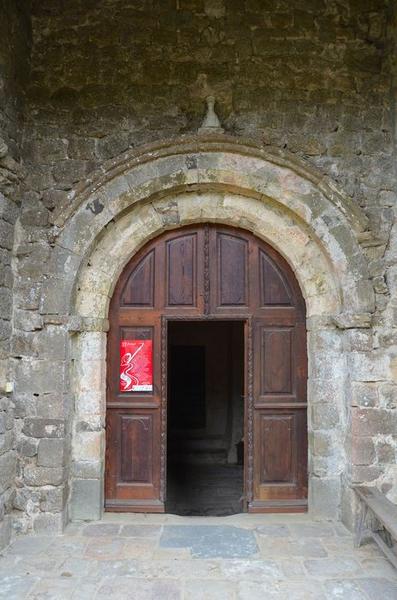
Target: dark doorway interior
x: 205, y: 417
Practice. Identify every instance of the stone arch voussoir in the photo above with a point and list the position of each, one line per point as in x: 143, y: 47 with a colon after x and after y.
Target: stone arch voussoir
x: 330, y: 219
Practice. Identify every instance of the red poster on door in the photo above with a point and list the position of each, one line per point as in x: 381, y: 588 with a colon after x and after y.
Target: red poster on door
x: 136, y: 366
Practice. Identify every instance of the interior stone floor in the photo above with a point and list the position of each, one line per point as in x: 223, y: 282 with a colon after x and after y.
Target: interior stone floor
x: 210, y: 490
x: 168, y: 557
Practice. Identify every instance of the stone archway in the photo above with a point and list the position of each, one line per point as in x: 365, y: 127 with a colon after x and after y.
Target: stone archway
x: 301, y: 215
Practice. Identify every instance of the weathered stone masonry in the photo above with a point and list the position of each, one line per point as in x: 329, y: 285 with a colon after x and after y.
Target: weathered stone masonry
x: 14, y: 68
x: 306, y: 93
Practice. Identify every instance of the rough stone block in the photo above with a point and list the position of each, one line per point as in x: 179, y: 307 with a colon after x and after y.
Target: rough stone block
x: 49, y: 523
x: 7, y: 470
x: 87, y: 469
x: 324, y: 416
x: 45, y: 150
x: 28, y: 320
x: 40, y: 376
x: 386, y: 452
x: 359, y: 340
x: 324, y: 391
x: 368, y: 366
x: 363, y: 451
x: 324, y: 497
x: 88, y: 445
x: 53, y: 499
x: 365, y: 474
x: 52, y: 405
x: 52, y: 343
x: 6, y: 235
x: 327, y: 366
x: 87, y: 499
x: 5, y: 303
x: 9, y: 211
x: 372, y: 421
x: 50, y: 453
x: 388, y: 395
x: 37, y: 476
x: 365, y: 394
x: 37, y: 427
x: 25, y: 497
x: 54, y: 297
x: 322, y: 444
x: 6, y: 441
x: 5, y: 532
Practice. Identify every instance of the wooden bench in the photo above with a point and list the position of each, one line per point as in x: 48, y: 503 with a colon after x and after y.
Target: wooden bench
x: 384, y: 514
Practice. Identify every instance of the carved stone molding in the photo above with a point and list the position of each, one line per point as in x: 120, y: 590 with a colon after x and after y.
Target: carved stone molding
x: 250, y: 413
x: 195, y: 147
x: 163, y: 411
x: 206, y: 271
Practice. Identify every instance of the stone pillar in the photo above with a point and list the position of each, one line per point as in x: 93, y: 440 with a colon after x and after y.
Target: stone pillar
x: 326, y: 419
x: 88, y: 449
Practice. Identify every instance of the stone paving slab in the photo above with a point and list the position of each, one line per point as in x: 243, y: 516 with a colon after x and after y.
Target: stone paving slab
x: 210, y: 541
x: 164, y: 557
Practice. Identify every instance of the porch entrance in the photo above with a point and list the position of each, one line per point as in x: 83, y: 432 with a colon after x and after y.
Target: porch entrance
x: 205, y: 418
x: 206, y: 283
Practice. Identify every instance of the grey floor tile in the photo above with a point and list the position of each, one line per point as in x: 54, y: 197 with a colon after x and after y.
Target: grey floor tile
x: 379, y: 589
x: 295, y: 548
x: 101, y: 530
x: 138, y: 589
x: 251, y: 570
x: 209, y: 590
x: 273, y: 530
x: 347, y: 589
x: 208, y: 541
x: 16, y: 586
x: 312, y: 530
x: 30, y: 544
x: 141, y: 531
x: 333, y: 567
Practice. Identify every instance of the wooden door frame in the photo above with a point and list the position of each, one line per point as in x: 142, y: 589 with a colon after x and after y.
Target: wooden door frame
x: 207, y: 308
x: 248, y: 466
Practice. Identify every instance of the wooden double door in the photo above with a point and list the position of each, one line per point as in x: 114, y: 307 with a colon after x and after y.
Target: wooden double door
x: 196, y: 273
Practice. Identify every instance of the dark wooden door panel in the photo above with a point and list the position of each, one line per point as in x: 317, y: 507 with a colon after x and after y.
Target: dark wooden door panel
x: 204, y: 272
x: 139, y: 288
x: 232, y: 271
x: 136, y: 449
x: 280, y: 363
x: 280, y: 464
x: 276, y: 360
x: 132, y: 465
x: 274, y: 287
x: 181, y: 270
x: 276, y: 441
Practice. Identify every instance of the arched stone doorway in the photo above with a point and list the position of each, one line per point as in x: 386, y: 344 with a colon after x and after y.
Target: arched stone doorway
x: 223, y: 180
x: 207, y: 273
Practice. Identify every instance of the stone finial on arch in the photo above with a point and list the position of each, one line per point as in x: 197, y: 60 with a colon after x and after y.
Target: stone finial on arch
x: 222, y: 164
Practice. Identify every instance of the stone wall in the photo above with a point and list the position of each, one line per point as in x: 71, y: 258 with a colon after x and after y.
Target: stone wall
x: 314, y: 78
x: 381, y: 452
x: 14, y: 66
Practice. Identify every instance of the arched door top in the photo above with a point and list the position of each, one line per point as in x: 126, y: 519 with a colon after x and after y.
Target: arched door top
x: 209, y: 270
